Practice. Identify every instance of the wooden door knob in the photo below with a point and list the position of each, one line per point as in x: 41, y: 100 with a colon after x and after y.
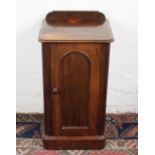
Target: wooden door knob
x: 55, y: 90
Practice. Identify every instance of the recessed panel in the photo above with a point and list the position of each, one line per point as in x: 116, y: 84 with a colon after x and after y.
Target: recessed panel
x: 75, y: 85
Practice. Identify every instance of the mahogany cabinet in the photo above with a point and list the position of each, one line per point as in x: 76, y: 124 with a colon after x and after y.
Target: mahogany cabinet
x: 75, y: 55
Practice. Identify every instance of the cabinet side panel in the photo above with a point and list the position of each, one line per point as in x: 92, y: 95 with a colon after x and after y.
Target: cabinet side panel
x: 104, y: 67
x: 75, y: 83
x: 46, y: 61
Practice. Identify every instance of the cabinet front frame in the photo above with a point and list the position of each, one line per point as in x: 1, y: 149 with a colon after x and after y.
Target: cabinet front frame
x: 53, y: 124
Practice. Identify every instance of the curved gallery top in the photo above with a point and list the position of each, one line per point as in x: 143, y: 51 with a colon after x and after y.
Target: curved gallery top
x: 74, y: 26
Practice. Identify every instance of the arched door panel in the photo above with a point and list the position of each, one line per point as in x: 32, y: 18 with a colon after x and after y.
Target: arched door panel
x: 75, y: 86
x: 75, y: 76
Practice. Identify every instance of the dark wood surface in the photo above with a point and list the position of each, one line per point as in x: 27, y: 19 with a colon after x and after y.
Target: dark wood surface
x: 101, y: 33
x: 75, y: 84
x: 79, y: 83
x: 79, y: 72
x: 75, y: 78
x: 77, y: 32
x: 73, y: 142
x: 75, y: 18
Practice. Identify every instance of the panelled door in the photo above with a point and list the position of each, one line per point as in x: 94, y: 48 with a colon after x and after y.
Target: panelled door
x: 75, y: 76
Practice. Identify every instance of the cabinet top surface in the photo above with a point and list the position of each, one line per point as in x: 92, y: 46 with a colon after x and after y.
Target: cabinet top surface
x: 73, y: 27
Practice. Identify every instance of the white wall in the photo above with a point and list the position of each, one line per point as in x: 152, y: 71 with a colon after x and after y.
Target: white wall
x: 122, y: 92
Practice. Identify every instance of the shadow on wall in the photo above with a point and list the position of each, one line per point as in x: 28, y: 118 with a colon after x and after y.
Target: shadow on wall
x: 122, y: 90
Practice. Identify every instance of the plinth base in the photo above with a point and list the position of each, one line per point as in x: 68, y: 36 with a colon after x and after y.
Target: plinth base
x: 73, y: 142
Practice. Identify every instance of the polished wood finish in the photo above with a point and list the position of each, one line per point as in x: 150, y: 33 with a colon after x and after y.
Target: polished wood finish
x: 75, y: 95
x: 75, y: 77
x: 77, y: 32
x: 75, y: 18
x: 73, y: 142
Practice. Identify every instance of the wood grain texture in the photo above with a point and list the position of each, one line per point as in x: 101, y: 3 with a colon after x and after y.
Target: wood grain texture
x: 73, y: 142
x: 65, y: 63
x: 46, y: 67
x: 97, y: 33
x: 75, y: 18
x: 100, y: 33
x: 75, y: 85
x: 75, y: 77
x: 77, y: 26
x: 83, y: 106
